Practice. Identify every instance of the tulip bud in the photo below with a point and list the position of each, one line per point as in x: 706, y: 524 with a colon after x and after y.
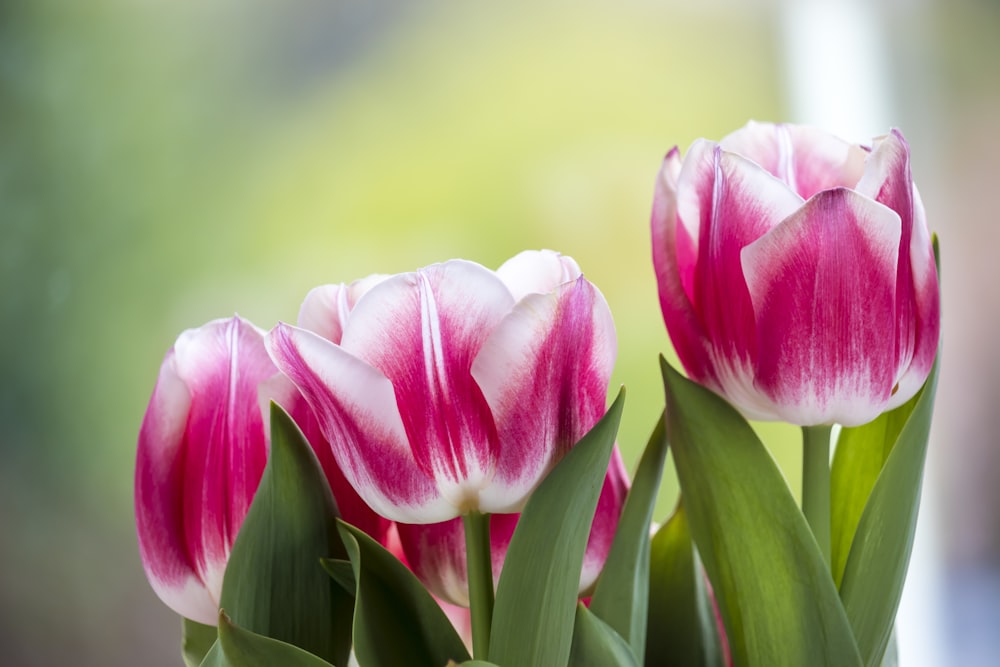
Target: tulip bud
x: 202, y: 449
x: 796, y: 274
x: 456, y: 388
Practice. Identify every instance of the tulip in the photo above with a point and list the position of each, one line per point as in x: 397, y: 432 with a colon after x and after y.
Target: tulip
x: 796, y: 274
x: 454, y: 389
x: 436, y: 552
x: 201, y: 453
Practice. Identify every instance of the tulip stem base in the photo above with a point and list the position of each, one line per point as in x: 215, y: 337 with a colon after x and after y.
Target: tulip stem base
x: 479, y: 561
x: 816, y: 484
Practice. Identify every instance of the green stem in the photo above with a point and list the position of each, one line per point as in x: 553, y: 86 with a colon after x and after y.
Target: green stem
x: 479, y: 565
x: 816, y: 484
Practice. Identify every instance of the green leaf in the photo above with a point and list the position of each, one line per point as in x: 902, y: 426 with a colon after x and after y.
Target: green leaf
x: 396, y: 621
x: 621, y: 598
x: 473, y: 663
x: 774, y: 589
x: 342, y: 572
x: 880, y: 553
x: 682, y: 626
x: 596, y: 644
x: 861, y: 452
x: 536, y: 596
x: 238, y: 647
x: 197, y: 640
x: 274, y: 584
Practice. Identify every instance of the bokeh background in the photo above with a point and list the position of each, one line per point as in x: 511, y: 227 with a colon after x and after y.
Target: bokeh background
x: 167, y: 163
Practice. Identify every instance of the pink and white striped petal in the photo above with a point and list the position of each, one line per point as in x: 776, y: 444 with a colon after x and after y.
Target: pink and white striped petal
x: 421, y: 331
x: 602, y: 531
x: 807, y: 159
x: 544, y: 371
x: 834, y: 362
x: 537, y: 272
x: 356, y: 408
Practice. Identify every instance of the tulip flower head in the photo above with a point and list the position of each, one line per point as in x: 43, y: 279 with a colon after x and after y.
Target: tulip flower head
x: 455, y: 388
x: 796, y: 274
x: 202, y: 449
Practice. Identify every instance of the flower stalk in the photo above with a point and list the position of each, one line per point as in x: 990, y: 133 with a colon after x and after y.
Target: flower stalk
x: 480, y: 569
x: 816, y: 484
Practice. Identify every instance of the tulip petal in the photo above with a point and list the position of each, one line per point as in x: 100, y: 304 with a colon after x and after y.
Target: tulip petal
x: 544, y: 371
x: 325, y: 308
x: 602, y: 531
x: 686, y: 332
x: 159, y: 501
x: 888, y: 180
x: 824, y: 356
x: 809, y: 160
x: 734, y: 202
x: 422, y: 331
x: 357, y: 413
x: 436, y: 554
x: 222, y: 363
x: 537, y: 271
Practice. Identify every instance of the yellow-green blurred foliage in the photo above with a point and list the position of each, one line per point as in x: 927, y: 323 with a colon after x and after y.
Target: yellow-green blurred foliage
x: 166, y: 163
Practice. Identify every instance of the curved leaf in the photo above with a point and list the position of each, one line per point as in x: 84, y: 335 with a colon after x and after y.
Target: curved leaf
x: 197, y: 640
x: 880, y: 552
x: 536, y: 595
x: 396, y: 621
x: 596, y: 644
x: 773, y: 587
x: 621, y: 598
x: 682, y: 625
x: 241, y: 648
x: 274, y: 585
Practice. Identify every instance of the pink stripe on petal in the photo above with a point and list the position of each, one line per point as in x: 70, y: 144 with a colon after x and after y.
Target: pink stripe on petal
x: 422, y: 330
x: 544, y: 371
x: 739, y: 203
x: 686, y: 332
x: 537, y: 272
x: 436, y: 554
x: 824, y: 355
x: 356, y: 409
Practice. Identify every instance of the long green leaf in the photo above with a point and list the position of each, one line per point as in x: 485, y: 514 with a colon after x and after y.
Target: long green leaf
x: 596, y: 644
x: 880, y: 553
x: 396, y: 621
x: 682, y: 626
x: 197, y: 640
x: 536, y: 595
x: 861, y: 452
x: 774, y: 589
x: 621, y: 598
x: 274, y: 585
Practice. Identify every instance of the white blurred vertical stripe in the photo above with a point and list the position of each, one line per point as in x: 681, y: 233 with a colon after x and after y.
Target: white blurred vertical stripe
x: 836, y: 67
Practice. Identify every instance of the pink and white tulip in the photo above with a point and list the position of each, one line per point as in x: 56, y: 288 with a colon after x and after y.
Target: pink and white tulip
x: 436, y: 552
x: 202, y: 449
x: 456, y: 388
x: 796, y: 274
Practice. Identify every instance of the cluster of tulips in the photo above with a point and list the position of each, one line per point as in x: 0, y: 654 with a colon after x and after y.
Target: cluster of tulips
x: 423, y: 470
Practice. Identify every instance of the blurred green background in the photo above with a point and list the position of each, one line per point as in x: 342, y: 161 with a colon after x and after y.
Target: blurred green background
x: 163, y: 164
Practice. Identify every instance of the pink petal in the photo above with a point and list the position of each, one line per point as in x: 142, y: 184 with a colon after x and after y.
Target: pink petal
x: 422, y: 331
x: 602, y: 532
x: 537, y: 271
x: 325, y: 308
x: 807, y: 159
x: 353, y: 509
x: 823, y: 289
x: 686, y: 333
x: 736, y: 203
x: 544, y: 372
x: 357, y: 413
